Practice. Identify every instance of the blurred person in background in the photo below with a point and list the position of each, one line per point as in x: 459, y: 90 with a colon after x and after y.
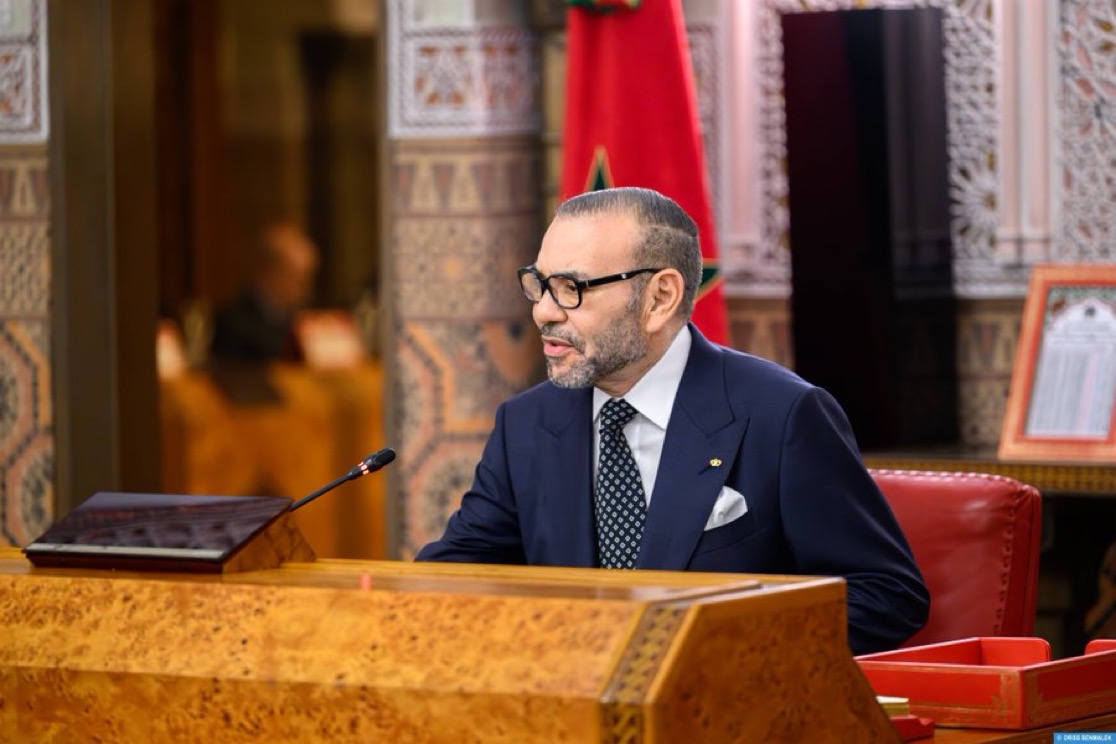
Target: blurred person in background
x: 258, y: 326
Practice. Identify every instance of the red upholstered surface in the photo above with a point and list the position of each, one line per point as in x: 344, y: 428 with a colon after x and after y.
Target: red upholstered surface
x: 976, y: 539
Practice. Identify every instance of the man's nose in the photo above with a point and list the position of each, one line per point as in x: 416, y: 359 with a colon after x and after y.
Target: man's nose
x: 546, y: 310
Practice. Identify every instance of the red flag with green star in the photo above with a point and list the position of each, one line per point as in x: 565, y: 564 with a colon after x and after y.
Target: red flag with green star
x: 632, y: 120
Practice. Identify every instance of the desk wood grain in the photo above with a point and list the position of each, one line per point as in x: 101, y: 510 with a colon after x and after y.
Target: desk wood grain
x: 1045, y: 735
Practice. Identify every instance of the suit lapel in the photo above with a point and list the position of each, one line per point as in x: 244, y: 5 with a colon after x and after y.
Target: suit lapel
x: 702, y: 440
x: 566, y: 473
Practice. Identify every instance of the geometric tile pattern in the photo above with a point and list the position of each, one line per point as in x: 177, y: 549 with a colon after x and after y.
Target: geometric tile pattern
x: 466, y: 267
x: 465, y: 216
x: 987, y: 337
x: 24, y: 270
x: 622, y: 718
x: 26, y: 443
x: 452, y: 76
x: 1087, y: 64
x: 26, y: 416
x: 23, y: 72
x: 454, y: 376
x: 706, y: 57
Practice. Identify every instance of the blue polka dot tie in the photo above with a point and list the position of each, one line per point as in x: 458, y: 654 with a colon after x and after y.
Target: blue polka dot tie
x: 620, y: 507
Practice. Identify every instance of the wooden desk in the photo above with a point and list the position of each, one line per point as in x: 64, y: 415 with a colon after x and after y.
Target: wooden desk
x: 387, y: 651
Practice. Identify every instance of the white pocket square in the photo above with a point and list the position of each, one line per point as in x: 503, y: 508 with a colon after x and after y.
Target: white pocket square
x: 729, y: 507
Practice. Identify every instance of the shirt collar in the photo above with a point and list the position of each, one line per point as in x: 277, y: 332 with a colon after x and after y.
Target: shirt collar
x: 653, y: 395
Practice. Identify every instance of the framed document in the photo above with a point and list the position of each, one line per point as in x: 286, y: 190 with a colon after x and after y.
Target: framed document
x: 1062, y: 401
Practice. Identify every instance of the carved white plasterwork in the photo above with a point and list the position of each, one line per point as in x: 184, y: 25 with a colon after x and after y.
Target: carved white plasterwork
x: 972, y: 116
x: 706, y: 57
x: 24, y: 113
x: 970, y: 29
x: 460, y: 79
x: 1087, y: 52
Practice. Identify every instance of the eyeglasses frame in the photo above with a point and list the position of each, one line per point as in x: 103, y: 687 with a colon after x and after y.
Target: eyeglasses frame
x: 579, y: 284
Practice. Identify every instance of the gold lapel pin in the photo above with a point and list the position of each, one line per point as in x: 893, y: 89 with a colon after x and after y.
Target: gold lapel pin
x: 715, y: 462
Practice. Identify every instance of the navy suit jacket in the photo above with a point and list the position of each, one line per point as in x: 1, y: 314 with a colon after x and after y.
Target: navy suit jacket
x: 784, y: 444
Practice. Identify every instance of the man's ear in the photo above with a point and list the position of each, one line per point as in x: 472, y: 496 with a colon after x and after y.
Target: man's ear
x: 663, y: 296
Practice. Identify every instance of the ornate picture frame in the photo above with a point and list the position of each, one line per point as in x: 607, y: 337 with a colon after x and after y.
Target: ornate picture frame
x: 1062, y: 401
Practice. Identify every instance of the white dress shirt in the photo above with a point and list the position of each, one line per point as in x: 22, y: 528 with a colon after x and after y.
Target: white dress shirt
x: 653, y: 399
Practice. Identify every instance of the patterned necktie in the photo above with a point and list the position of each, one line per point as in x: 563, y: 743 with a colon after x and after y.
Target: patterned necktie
x: 620, y: 508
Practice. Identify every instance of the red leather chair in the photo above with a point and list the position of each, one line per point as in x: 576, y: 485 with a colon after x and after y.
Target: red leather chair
x: 976, y: 539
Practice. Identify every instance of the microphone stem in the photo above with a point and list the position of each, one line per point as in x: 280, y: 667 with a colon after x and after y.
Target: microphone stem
x: 328, y: 487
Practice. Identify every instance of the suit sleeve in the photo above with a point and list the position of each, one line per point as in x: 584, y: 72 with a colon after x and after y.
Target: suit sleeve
x: 838, y: 523
x: 485, y: 527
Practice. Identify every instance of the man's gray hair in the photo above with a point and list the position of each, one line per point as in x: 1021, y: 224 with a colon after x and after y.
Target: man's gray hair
x: 668, y: 239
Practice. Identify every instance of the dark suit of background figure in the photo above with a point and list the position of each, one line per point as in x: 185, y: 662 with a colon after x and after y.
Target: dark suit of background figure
x: 612, y: 289
x: 250, y: 330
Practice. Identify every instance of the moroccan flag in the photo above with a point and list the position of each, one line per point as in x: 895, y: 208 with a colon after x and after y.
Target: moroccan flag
x: 632, y: 120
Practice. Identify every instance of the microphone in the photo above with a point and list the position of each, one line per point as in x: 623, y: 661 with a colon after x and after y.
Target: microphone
x: 370, y: 464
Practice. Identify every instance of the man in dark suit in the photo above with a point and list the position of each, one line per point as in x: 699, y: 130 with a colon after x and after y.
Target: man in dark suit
x: 742, y: 466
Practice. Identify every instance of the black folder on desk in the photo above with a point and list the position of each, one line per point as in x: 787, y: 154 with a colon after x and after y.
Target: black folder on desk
x: 154, y: 531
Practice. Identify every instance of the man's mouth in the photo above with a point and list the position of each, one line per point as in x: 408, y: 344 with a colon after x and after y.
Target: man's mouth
x: 554, y: 347
x: 555, y: 344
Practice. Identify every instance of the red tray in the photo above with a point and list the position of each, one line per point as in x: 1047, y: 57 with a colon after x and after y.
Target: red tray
x: 1004, y: 683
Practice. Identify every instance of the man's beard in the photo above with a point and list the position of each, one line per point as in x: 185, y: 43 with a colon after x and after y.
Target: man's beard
x: 617, y: 347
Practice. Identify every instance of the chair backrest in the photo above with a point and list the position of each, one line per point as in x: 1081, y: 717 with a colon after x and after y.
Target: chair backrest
x: 976, y: 539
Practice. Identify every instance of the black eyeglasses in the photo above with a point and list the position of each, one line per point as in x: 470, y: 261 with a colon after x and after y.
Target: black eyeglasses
x: 565, y: 289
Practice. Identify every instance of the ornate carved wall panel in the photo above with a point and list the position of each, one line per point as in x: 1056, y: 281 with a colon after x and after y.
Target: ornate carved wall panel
x: 465, y: 217
x: 1087, y: 56
x: 456, y: 73
x: 706, y: 34
x: 24, y: 116
x: 987, y: 334
x: 465, y: 190
x: 26, y: 416
x: 26, y: 442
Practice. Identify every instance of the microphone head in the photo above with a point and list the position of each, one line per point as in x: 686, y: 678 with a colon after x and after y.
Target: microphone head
x: 372, y: 463
x: 377, y: 460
